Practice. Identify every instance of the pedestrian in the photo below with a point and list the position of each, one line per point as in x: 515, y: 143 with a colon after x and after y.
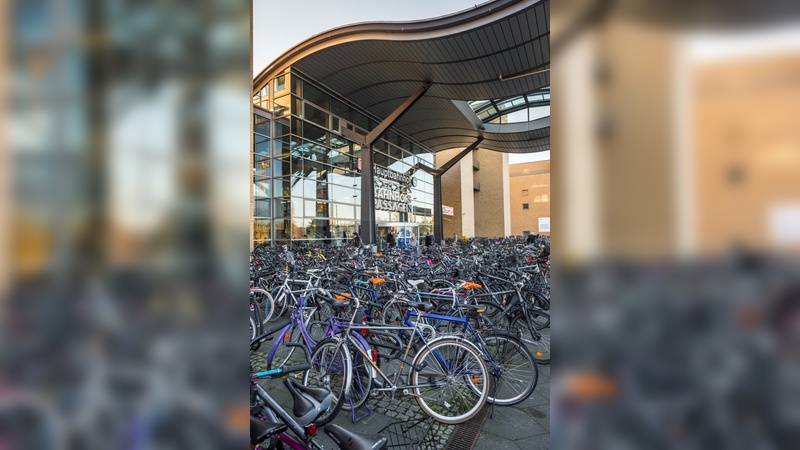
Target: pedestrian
x: 356, y: 240
x: 428, y: 240
x: 390, y: 239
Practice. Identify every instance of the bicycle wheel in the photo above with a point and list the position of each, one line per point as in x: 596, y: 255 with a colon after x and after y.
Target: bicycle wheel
x: 513, y: 367
x: 453, y: 381
x: 362, y: 376
x: 279, y: 304
x: 538, y: 341
x: 253, y: 328
x: 494, y: 312
x: 318, y: 322
x: 264, y: 301
x: 283, y: 354
x: 332, y: 369
x: 393, y: 313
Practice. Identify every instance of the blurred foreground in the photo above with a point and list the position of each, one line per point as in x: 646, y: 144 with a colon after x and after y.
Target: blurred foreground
x: 676, y: 198
x: 123, y: 224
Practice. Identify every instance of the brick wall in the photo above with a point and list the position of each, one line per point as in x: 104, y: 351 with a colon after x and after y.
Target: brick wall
x: 535, y: 178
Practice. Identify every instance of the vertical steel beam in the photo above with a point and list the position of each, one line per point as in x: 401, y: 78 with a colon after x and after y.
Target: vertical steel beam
x: 367, y: 196
x: 438, y: 224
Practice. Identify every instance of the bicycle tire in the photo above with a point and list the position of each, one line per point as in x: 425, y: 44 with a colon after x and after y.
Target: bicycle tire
x: 539, y: 347
x: 518, y: 367
x: 463, y: 357
x: 331, y: 368
x: 263, y: 301
x: 361, y: 383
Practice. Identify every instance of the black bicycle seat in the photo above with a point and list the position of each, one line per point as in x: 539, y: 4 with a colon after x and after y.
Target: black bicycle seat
x: 422, y: 306
x: 308, y: 402
x: 261, y: 429
x: 350, y: 440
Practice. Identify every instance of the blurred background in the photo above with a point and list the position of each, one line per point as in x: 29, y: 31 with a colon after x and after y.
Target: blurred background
x: 676, y: 204
x: 123, y: 223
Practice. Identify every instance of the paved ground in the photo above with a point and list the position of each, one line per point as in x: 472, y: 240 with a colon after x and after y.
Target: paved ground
x: 524, y: 426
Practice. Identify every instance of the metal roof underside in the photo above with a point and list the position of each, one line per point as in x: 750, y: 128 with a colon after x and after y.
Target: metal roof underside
x: 378, y: 65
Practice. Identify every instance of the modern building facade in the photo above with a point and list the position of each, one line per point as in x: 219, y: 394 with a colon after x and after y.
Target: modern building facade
x: 348, y: 125
x: 307, y: 176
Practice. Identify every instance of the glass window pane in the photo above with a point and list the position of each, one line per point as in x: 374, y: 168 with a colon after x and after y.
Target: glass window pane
x: 297, y: 186
x: 310, y: 208
x: 282, y: 229
x: 262, y: 189
x: 261, y: 169
x: 297, y: 106
x: 261, y: 148
x: 281, y: 146
x: 342, y: 194
x: 297, y: 86
x: 281, y: 107
x: 262, y: 229
x: 282, y: 207
x: 297, y: 166
x: 281, y: 186
x: 315, y: 134
x: 316, y: 96
x: 322, y: 191
x: 297, y: 207
x: 262, y: 208
x: 341, y: 109
x: 282, y: 126
x: 335, y: 127
x: 321, y: 209
x: 280, y: 167
x: 261, y: 125
x: 280, y: 83
x: 340, y: 144
x: 381, y: 159
x: 316, y: 115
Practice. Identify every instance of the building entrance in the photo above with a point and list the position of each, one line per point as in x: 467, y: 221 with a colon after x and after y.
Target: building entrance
x: 402, y: 232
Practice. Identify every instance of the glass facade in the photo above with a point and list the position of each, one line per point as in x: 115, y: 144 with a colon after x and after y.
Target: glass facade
x: 306, y: 175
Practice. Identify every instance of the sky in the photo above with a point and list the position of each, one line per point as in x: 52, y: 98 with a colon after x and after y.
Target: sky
x: 278, y: 26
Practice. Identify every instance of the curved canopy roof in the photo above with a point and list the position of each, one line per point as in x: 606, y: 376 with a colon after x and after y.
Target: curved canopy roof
x: 495, y: 50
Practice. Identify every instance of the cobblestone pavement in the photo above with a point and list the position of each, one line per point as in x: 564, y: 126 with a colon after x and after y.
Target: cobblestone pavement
x: 523, y: 426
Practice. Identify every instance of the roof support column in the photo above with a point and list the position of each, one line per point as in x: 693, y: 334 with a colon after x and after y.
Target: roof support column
x: 438, y: 225
x: 367, y: 168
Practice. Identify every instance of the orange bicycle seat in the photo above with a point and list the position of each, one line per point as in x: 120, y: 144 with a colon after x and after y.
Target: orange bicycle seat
x: 377, y: 280
x: 470, y: 285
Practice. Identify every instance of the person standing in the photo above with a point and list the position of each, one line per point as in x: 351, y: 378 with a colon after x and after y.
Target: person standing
x: 356, y: 240
x: 390, y: 239
x: 428, y: 240
x: 412, y: 244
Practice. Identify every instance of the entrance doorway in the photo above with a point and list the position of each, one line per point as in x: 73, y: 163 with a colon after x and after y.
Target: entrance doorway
x: 402, y: 232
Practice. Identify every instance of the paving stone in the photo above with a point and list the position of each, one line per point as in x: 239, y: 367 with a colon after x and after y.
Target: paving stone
x: 540, y: 442
x: 512, y: 423
x: 492, y: 442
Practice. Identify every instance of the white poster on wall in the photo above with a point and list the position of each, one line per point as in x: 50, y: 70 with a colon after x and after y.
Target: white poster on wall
x: 544, y: 224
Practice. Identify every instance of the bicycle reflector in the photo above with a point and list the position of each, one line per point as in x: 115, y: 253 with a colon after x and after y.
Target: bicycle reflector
x: 311, y: 429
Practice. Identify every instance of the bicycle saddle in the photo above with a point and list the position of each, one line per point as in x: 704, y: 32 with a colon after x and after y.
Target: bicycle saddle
x: 415, y: 283
x: 308, y: 402
x: 261, y: 429
x: 422, y: 306
x: 351, y: 440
